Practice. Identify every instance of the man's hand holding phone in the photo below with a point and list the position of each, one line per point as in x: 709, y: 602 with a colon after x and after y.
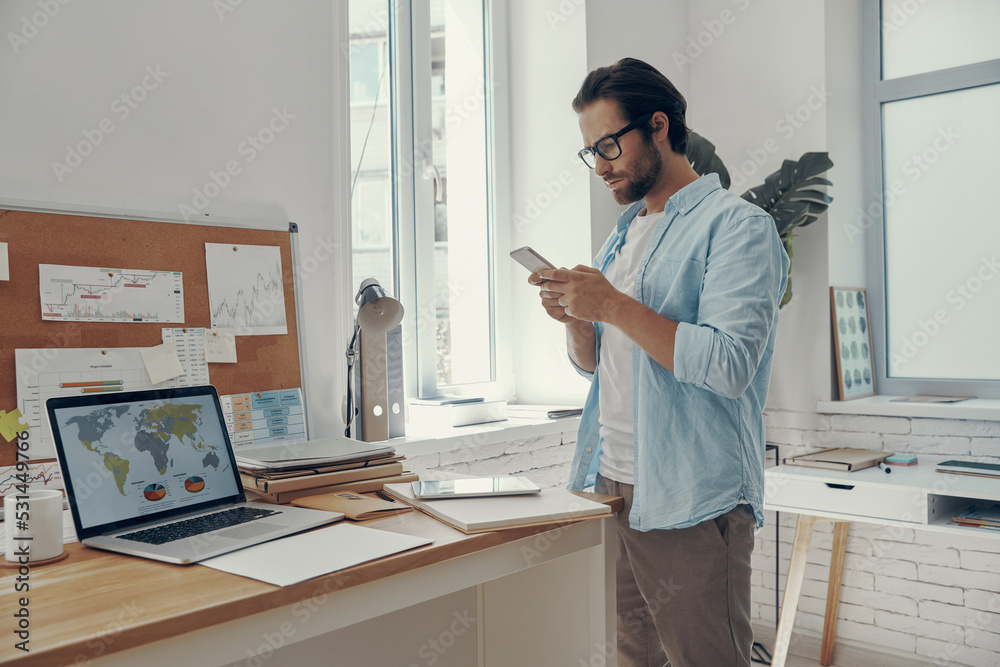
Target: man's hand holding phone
x: 580, y: 294
x: 534, y: 262
x: 550, y: 294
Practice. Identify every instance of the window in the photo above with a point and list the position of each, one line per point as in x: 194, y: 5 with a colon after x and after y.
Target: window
x: 931, y: 117
x: 425, y: 154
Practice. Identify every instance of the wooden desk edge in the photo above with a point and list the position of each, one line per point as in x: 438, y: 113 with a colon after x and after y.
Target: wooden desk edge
x: 252, y: 597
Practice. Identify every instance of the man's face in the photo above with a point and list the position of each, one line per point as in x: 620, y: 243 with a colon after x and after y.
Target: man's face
x: 630, y: 176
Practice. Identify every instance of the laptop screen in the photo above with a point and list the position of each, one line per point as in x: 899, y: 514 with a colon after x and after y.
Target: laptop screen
x: 137, y: 456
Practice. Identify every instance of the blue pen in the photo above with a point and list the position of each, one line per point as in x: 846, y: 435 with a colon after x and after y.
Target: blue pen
x: 884, y: 467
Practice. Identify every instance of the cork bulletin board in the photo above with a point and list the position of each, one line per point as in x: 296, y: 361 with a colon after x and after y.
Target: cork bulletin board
x: 33, y: 238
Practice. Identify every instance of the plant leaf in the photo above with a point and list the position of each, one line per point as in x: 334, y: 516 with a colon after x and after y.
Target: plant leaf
x: 788, y: 194
x: 701, y: 155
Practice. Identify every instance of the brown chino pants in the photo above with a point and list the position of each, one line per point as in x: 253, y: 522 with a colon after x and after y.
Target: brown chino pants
x: 683, y: 593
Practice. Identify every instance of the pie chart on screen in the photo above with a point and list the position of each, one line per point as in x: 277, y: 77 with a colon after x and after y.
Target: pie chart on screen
x: 154, y: 492
x: 194, y: 484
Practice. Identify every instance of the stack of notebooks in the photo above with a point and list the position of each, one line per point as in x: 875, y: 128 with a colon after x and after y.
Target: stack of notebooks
x: 282, y: 473
x: 979, y: 516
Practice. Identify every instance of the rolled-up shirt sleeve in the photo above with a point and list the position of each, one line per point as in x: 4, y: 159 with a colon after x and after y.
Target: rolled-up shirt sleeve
x: 745, y: 276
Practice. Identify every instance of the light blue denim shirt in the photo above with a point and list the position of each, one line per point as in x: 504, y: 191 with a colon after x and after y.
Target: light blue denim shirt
x: 716, y: 266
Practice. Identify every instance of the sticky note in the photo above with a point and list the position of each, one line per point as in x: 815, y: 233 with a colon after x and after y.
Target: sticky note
x: 4, y: 262
x: 161, y: 362
x: 220, y: 346
x: 10, y: 424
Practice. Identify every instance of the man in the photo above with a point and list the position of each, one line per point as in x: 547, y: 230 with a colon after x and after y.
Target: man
x: 675, y: 324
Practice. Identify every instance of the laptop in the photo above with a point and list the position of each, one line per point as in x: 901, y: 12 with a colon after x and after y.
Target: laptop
x: 153, y: 474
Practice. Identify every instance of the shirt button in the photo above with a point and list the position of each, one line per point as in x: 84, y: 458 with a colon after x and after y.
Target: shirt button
x: 683, y: 209
x: 589, y: 450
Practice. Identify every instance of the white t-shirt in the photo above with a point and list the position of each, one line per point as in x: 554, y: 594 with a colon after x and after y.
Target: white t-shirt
x: 615, y: 369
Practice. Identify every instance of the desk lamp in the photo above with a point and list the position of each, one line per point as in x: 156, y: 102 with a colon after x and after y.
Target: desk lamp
x: 377, y: 343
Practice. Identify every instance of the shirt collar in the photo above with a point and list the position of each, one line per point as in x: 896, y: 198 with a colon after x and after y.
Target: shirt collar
x: 685, y: 199
x: 682, y: 201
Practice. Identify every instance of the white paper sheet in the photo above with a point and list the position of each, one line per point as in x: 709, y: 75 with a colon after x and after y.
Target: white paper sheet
x: 220, y: 346
x: 189, y: 343
x: 246, y: 288
x: 162, y: 363
x: 4, y: 263
x: 94, y: 294
x: 300, y: 557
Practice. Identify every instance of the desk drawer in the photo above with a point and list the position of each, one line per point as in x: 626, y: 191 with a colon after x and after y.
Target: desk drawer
x: 863, y: 501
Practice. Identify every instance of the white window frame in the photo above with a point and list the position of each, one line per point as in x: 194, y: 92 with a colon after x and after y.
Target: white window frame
x: 412, y: 192
x: 876, y: 93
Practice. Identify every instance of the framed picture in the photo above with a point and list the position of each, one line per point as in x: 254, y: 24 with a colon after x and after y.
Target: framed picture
x: 852, y: 341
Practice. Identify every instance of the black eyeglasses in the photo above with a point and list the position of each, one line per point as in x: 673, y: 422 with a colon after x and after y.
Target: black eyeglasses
x: 608, y: 147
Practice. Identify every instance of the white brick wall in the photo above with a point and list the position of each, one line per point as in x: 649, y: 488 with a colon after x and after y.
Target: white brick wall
x: 929, y: 593
x: 915, y: 591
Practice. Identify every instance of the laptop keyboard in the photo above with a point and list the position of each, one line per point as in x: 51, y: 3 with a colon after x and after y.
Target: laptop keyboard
x: 198, y: 525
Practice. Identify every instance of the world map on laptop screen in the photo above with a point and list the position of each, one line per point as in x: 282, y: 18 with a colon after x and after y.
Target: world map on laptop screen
x: 127, y: 460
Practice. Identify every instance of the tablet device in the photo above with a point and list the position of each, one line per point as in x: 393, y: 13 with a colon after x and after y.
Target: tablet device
x: 474, y: 487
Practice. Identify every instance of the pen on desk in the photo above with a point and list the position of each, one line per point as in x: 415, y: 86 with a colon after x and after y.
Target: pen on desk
x: 885, y: 468
x: 385, y: 496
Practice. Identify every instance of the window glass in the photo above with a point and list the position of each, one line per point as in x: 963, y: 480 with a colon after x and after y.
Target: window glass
x: 463, y: 304
x: 920, y: 36
x: 443, y: 178
x: 372, y: 232
x: 942, y: 237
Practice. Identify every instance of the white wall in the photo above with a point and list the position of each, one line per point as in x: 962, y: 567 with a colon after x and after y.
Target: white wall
x: 847, y: 221
x: 549, y: 185
x: 650, y: 30
x: 757, y: 82
x: 222, y: 76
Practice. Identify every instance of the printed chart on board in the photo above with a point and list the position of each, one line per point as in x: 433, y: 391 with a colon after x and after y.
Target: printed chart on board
x: 44, y: 373
x: 92, y: 294
x: 264, y: 417
x: 245, y: 288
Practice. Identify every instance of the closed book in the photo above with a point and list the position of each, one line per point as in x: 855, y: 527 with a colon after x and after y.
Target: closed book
x: 425, y: 416
x: 360, y: 486
x: 969, y: 468
x: 313, y: 480
x: 474, y: 515
x: 839, y: 458
x: 352, y: 505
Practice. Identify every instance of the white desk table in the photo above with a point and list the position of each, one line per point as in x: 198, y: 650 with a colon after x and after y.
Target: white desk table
x: 534, y: 596
x: 910, y: 496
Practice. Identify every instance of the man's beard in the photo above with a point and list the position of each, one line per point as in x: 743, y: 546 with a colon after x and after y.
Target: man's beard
x: 642, y: 177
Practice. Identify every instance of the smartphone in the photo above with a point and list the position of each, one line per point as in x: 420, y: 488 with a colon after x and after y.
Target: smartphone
x: 531, y: 260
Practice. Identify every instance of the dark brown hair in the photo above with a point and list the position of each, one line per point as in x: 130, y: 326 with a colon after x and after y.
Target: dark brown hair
x: 638, y: 88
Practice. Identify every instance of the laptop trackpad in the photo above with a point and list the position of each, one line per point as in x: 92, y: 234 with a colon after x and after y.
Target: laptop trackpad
x: 250, y: 530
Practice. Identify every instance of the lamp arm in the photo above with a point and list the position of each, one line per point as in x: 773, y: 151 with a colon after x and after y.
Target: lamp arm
x: 352, y: 355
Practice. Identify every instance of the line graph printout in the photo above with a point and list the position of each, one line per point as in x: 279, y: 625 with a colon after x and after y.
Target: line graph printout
x: 46, y: 372
x: 40, y: 476
x: 245, y: 288
x: 92, y: 294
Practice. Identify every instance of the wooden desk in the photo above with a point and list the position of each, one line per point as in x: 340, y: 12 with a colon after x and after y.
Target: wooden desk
x: 539, y: 595
x: 916, y: 497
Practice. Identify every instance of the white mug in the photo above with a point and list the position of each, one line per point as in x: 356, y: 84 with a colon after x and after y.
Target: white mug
x: 33, y: 525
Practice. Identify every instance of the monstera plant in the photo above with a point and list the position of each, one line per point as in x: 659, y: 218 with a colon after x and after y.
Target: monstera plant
x: 789, y: 195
